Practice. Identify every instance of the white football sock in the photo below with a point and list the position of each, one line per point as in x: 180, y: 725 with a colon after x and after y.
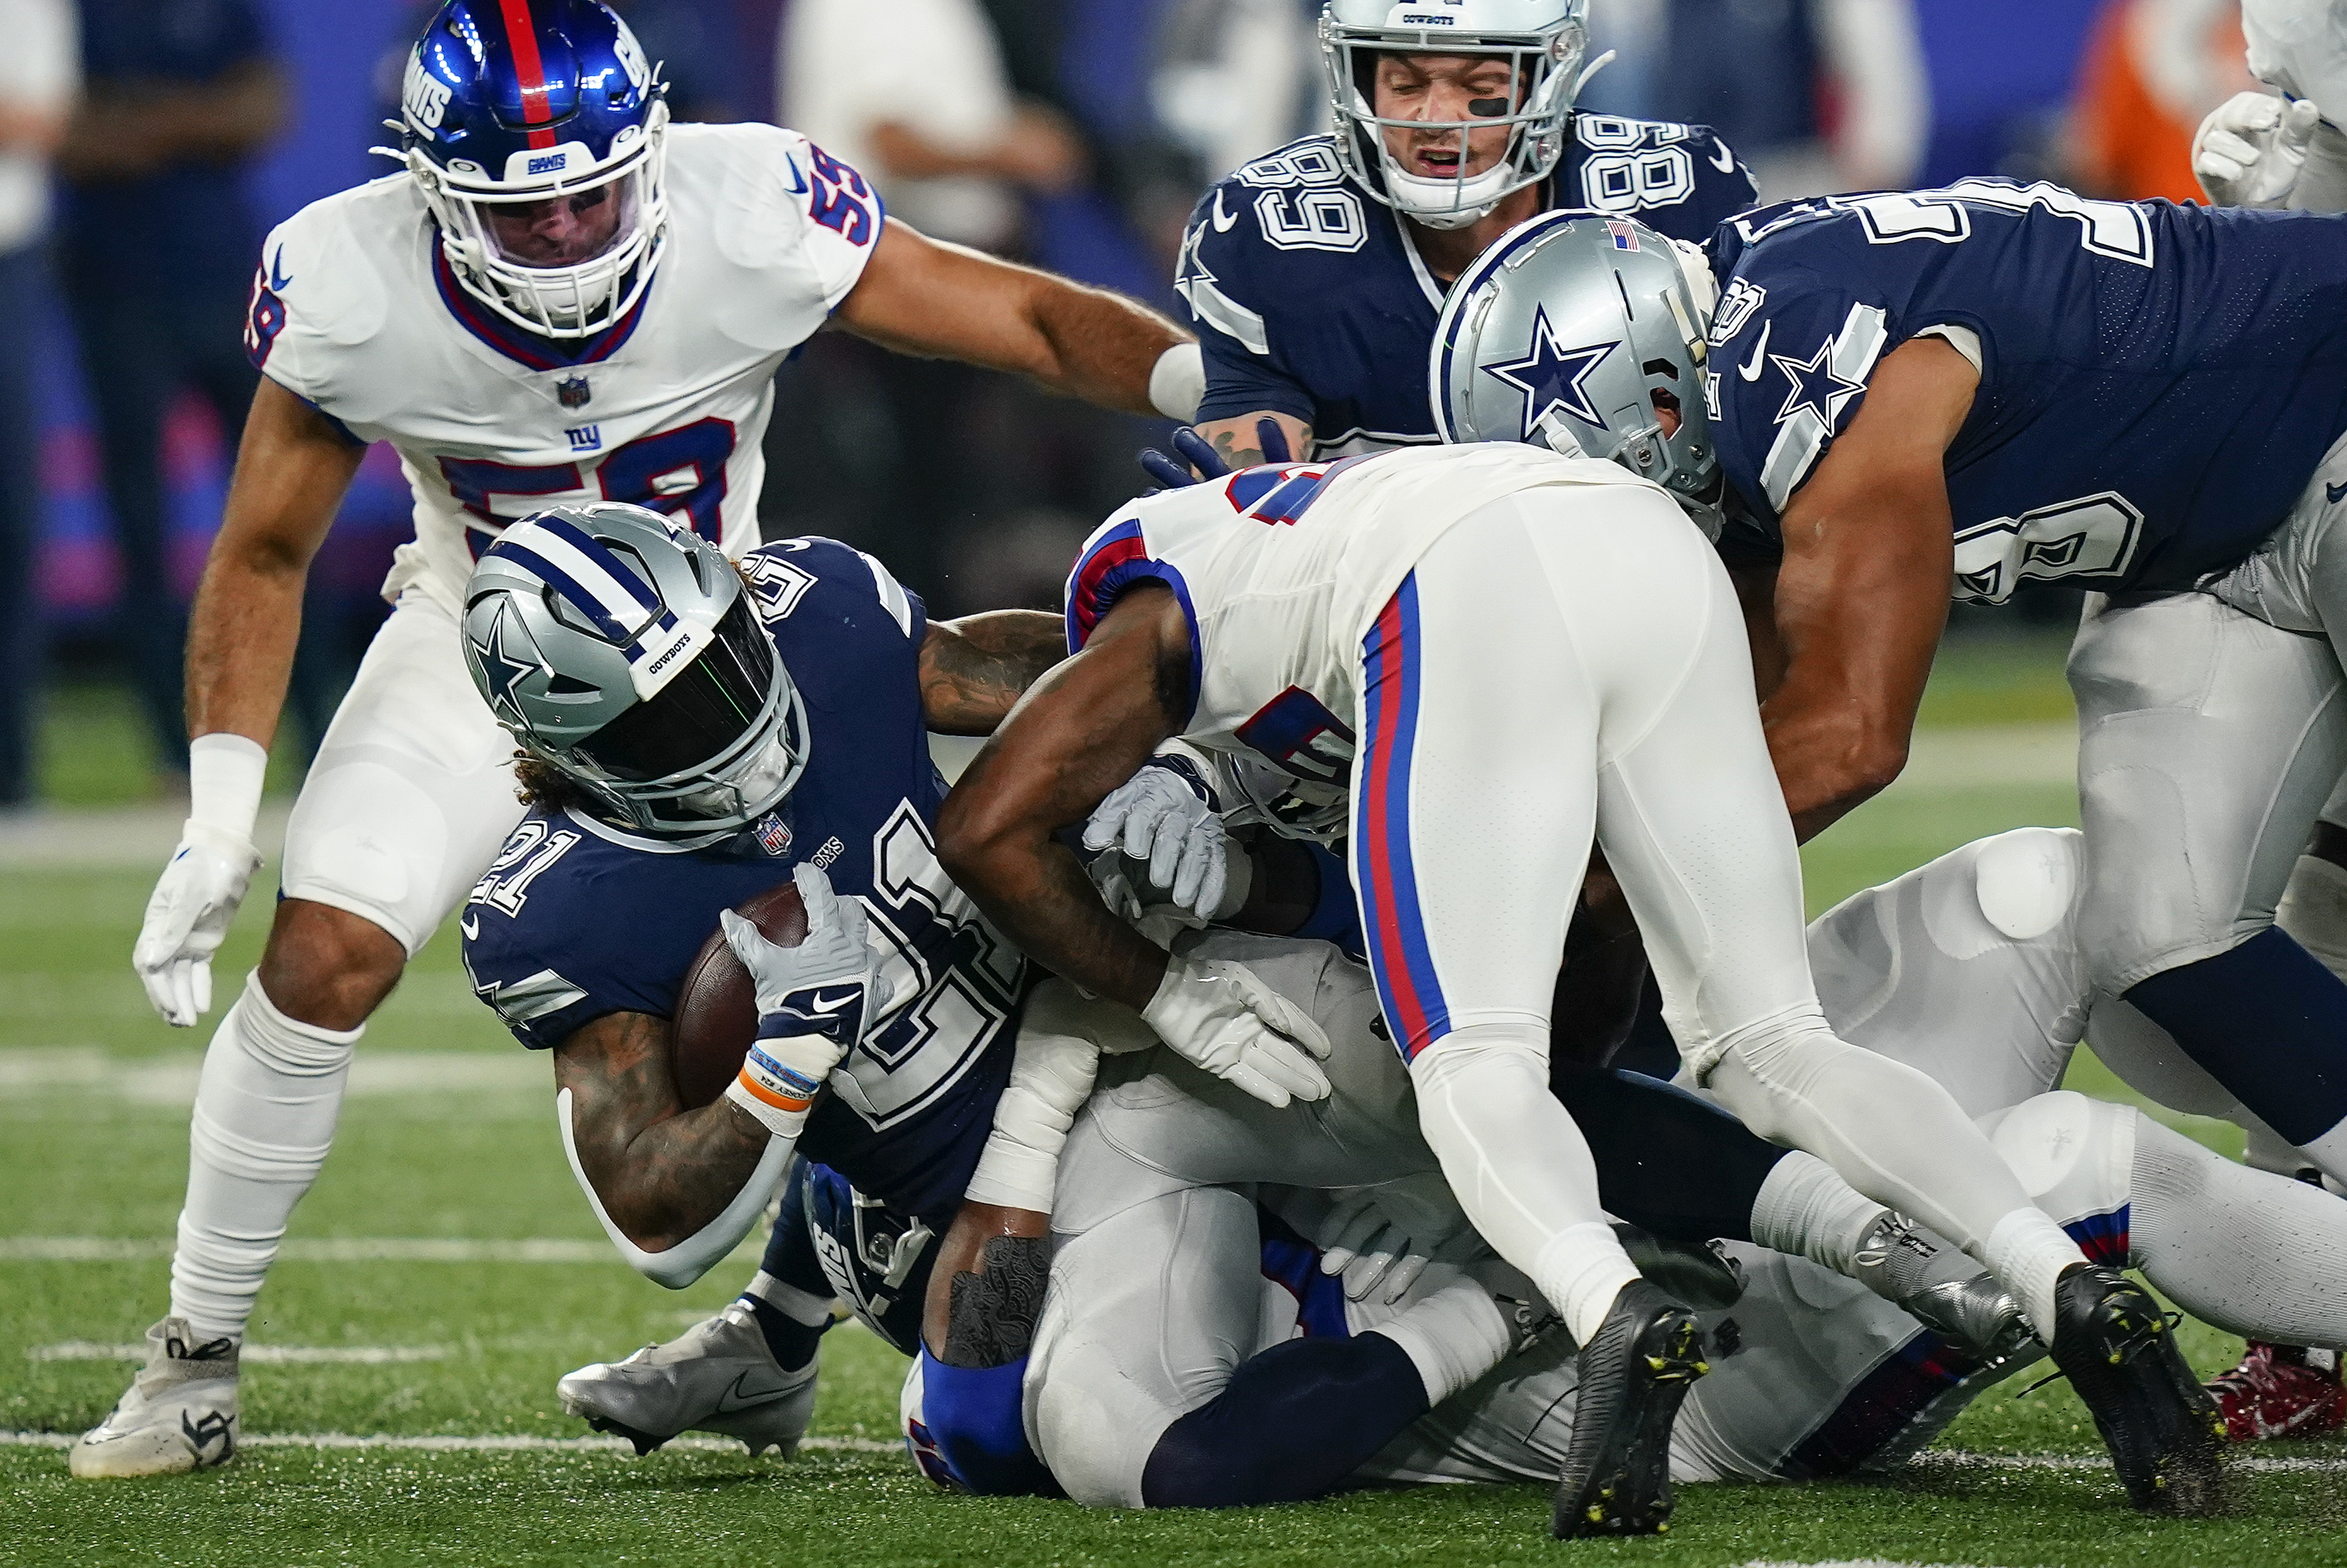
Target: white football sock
x: 1452, y: 1337
x: 2028, y: 1252
x: 1805, y: 1208
x: 266, y: 1104
x: 2254, y: 1253
x: 1580, y: 1271
x: 801, y: 1308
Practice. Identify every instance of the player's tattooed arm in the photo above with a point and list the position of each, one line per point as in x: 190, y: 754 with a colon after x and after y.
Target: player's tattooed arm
x: 1081, y: 733
x: 1861, y: 595
x: 663, y: 1172
x: 974, y: 670
x: 920, y: 296
x: 1237, y: 443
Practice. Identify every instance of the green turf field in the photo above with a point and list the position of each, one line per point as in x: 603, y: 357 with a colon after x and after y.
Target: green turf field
x: 448, y: 1141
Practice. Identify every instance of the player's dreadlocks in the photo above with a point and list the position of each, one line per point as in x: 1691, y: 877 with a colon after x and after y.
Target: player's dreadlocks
x: 547, y: 787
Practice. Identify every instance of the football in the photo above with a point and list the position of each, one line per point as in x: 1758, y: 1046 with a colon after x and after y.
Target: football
x: 716, y: 1010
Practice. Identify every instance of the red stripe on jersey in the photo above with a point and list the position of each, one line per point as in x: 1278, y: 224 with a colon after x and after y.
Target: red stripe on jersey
x: 521, y: 37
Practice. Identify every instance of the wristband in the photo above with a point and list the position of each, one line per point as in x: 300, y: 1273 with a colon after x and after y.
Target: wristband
x: 1178, y: 382
x: 225, y: 772
x: 773, y: 1089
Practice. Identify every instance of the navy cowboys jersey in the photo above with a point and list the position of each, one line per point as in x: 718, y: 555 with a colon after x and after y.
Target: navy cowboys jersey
x: 2157, y: 383
x: 1310, y: 299
x: 576, y: 919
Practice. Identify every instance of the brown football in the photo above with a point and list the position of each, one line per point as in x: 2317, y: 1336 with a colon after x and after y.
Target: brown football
x: 716, y: 1008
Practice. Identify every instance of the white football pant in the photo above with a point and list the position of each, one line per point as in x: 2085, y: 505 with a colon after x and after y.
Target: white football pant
x: 409, y: 798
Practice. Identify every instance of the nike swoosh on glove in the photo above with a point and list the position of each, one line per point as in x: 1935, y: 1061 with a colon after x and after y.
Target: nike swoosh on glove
x: 187, y: 917
x: 1216, y: 1013
x: 820, y: 986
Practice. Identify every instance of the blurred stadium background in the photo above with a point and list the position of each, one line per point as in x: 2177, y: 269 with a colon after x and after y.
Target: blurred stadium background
x: 1093, y: 125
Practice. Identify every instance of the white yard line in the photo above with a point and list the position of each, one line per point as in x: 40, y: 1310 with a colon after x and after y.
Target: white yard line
x: 439, y: 1444
x: 171, y: 1079
x: 259, y: 1354
x: 350, y: 1249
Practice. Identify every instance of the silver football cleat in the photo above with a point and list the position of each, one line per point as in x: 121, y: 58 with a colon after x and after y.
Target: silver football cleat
x: 1922, y: 1272
x: 716, y: 1377
x: 178, y: 1415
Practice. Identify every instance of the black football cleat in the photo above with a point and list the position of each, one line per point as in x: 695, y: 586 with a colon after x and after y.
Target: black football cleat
x: 2165, y: 1434
x: 1634, y: 1370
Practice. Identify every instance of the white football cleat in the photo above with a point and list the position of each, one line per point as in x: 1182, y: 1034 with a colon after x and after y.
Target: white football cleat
x: 716, y: 1377
x: 178, y: 1415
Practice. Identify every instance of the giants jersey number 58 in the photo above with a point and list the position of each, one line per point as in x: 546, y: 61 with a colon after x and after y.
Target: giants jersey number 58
x: 355, y: 312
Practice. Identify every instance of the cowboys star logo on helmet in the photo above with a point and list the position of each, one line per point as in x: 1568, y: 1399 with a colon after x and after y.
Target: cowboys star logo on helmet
x: 1552, y: 377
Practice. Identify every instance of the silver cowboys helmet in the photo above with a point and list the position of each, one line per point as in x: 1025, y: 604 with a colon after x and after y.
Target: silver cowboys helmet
x: 625, y: 650
x: 1543, y: 40
x: 1575, y: 330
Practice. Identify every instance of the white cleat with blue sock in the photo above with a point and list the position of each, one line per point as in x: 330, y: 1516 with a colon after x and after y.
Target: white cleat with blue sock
x: 178, y: 1414
x: 718, y: 1376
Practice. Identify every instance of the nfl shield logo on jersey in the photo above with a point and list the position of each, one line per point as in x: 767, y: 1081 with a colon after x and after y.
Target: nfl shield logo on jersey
x: 573, y: 392
x: 773, y: 835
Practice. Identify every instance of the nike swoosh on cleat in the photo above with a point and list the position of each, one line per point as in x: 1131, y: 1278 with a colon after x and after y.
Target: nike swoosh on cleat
x: 737, y: 1397
x: 2333, y: 492
x: 1751, y: 368
x: 1222, y: 220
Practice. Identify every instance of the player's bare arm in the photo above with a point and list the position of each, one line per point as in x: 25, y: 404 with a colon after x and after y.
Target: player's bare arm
x: 662, y: 1172
x: 925, y: 297
x: 292, y: 470
x: 973, y: 670
x: 1862, y: 594
x: 1081, y: 733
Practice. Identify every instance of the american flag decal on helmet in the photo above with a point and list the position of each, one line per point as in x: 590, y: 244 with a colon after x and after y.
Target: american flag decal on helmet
x: 1626, y: 237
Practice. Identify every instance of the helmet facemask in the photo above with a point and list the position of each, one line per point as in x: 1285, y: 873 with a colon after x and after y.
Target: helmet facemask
x: 1544, y: 73
x: 562, y: 299
x: 627, y: 652
x: 715, y: 749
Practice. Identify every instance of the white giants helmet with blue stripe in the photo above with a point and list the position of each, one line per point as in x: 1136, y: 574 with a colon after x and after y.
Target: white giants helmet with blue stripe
x: 1585, y: 335
x: 1543, y: 40
x: 624, y: 649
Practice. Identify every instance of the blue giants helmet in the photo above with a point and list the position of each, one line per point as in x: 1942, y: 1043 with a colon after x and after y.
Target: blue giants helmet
x: 535, y: 127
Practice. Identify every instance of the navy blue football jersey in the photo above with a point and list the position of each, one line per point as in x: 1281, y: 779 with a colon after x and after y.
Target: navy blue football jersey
x: 2157, y: 383
x: 1310, y: 298
x: 576, y: 919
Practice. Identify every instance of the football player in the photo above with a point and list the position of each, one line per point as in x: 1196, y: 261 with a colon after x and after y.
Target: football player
x: 1995, y: 384
x: 1137, y: 1394
x: 1312, y: 274
x: 560, y: 296
x: 693, y: 737
x: 1394, y: 625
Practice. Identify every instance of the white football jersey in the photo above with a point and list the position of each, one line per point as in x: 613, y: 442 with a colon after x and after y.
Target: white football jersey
x: 1281, y: 570
x: 355, y: 311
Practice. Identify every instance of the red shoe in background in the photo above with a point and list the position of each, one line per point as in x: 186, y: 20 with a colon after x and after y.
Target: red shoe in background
x: 2280, y: 1391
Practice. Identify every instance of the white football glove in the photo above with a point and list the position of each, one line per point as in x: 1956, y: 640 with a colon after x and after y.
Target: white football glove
x: 812, y: 1002
x: 2252, y: 148
x: 1387, y: 1235
x: 1217, y: 1014
x: 1166, y: 814
x: 188, y: 915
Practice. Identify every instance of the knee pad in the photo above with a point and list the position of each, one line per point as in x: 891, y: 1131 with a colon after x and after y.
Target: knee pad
x: 2027, y: 880
x: 365, y: 839
x: 2076, y: 1157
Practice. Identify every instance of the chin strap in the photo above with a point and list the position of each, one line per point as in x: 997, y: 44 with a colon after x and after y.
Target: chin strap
x: 1591, y: 70
x: 689, y: 1259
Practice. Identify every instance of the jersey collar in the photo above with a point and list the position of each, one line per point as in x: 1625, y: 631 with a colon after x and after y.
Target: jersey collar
x: 524, y: 348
